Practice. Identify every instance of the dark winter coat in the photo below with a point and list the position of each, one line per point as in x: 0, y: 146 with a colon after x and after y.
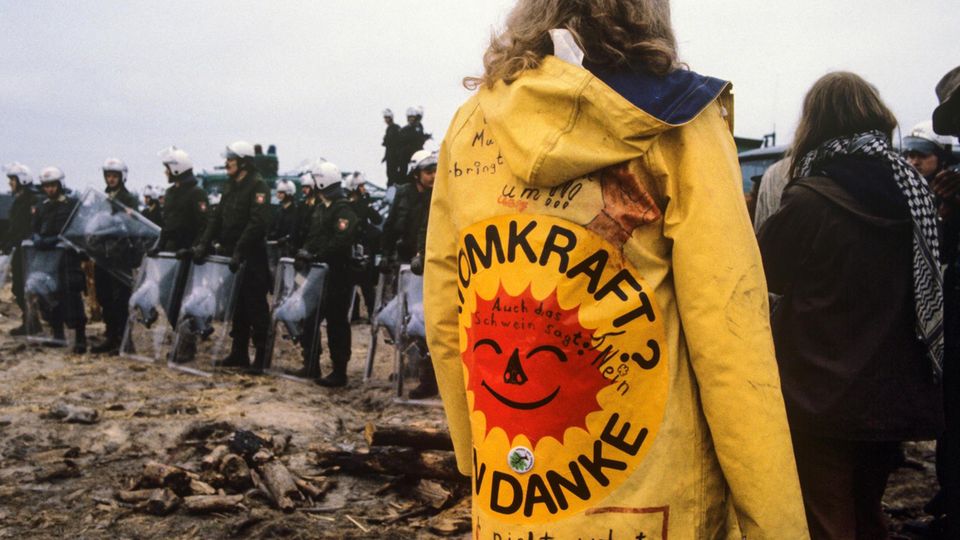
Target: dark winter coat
x: 184, y: 215
x: 21, y: 216
x: 123, y: 196
x: 285, y: 223
x: 240, y: 223
x: 840, y: 252
x: 332, y: 233
x: 154, y: 212
x: 401, y: 231
x: 410, y: 139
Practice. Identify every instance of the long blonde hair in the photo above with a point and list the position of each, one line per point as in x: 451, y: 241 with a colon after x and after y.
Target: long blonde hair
x: 839, y: 103
x: 612, y: 34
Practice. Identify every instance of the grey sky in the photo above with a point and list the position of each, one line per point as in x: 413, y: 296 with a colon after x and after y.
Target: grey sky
x: 94, y: 79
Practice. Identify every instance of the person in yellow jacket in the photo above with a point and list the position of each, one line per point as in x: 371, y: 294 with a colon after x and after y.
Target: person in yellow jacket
x: 595, y: 303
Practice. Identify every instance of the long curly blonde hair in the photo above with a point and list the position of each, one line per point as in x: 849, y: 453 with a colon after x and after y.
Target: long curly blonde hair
x: 633, y: 34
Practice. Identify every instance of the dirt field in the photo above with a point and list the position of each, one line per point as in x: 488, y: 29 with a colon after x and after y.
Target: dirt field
x: 59, y: 479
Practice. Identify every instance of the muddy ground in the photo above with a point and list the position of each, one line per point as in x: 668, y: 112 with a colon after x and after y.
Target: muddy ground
x: 150, y: 412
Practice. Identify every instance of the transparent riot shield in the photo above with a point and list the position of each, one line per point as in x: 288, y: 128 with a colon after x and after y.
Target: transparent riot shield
x: 294, y: 342
x: 206, y: 315
x: 383, y: 296
x: 154, y: 304
x: 402, y: 318
x: 5, y: 266
x: 44, y: 288
x: 274, y: 252
x: 114, y: 236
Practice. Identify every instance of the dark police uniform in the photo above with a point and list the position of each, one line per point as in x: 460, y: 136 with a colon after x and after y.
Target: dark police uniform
x: 286, y: 228
x: 392, y: 155
x: 238, y: 227
x: 401, y: 232
x: 154, y: 212
x: 113, y: 295
x: 21, y: 215
x: 368, y: 235
x: 48, y: 220
x: 332, y: 235
x: 184, y: 215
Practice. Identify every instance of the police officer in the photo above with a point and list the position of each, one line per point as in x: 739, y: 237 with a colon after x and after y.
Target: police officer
x: 411, y: 204
x: 151, y: 206
x: 286, y: 224
x: 48, y: 220
x: 113, y: 295
x: 21, y: 213
x: 239, y: 230
x: 392, y: 153
x: 368, y: 236
x: 330, y: 240
x: 307, y: 205
x: 185, y: 204
x: 411, y: 138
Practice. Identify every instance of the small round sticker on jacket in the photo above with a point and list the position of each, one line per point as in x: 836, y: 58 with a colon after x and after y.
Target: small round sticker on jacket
x: 520, y: 459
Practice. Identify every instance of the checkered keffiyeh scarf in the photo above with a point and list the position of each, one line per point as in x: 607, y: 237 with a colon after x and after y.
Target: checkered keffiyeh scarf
x: 927, y: 278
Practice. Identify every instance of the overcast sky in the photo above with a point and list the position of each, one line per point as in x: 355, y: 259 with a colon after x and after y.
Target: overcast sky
x: 88, y: 80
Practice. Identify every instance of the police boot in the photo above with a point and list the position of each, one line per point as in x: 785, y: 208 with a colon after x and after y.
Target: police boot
x: 25, y: 328
x: 428, y: 384
x: 238, y: 357
x: 59, y: 338
x: 110, y: 346
x: 80, y: 341
x: 337, y: 378
x: 259, y: 360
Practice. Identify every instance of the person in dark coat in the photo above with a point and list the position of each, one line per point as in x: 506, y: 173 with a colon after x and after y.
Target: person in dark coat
x: 396, y: 166
x: 239, y: 230
x: 368, y: 236
x: 152, y: 209
x: 113, y: 295
x: 331, y: 239
x: 858, y: 332
x: 21, y: 214
x: 285, y: 228
x: 410, y: 139
x: 49, y: 218
x: 946, y: 184
x: 411, y: 204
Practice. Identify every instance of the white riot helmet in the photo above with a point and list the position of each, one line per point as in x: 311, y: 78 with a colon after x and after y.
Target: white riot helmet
x: 354, y: 181
x: 287, y: 187
x: 150, y: 192
x: 387, y: 113
x: 115, y: 165
x: 326, y: 175
x: 50, y: 175
x: 924, y: 140
x: 422, y: 159
x: 412, y: 111
x: 176, y: 160
x: 239, y: 150
x: 21, y: 172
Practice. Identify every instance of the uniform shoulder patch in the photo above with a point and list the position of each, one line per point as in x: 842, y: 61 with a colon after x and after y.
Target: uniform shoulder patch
x: 261, y: 198
x: 203, y: 206
x: 342, y: 224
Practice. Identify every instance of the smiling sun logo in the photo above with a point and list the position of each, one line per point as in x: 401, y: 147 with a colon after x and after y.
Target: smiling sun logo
x: 536, y: 384
x: 565, y: 362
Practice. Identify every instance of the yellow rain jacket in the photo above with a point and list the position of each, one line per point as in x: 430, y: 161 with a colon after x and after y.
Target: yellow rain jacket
x: 597, y: 314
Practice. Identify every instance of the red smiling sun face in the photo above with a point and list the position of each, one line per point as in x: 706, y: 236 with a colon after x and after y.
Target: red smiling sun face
x: 529, y: 366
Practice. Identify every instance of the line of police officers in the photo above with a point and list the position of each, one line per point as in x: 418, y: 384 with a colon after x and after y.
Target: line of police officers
x: 326, y: 227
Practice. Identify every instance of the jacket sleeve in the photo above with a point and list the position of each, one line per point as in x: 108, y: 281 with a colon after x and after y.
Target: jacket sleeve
x: 211, y: 229
x: 722, y: 301
x: 396, y: 223
x: 440, y: 313
x: 259, y: 219
x: 340, y: 240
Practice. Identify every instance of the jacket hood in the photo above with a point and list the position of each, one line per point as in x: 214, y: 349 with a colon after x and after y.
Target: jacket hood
x: 562, y: 121
x: 863, y: 187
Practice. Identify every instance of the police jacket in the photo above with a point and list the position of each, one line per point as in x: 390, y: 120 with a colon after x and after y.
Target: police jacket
x: 332, y: 233
x: 391, y: 143
x: 51, y: 215
x: 285, y: 223
x: 597, y: 314
x: 122, y: 196
x: 305, y: 211
x: 184, y: 215
x: 401, y: 231
x: 154, y: 212
x: 239, y: 225
x: 409, y: 140
x: 21, y: 214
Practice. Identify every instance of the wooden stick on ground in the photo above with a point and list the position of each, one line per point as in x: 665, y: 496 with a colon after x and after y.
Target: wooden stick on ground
x: 208, y: 504
x: 281, y: 485
x: 411, y: 437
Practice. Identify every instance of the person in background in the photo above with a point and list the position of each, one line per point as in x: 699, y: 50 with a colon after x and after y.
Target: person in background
x: 151, y: 206
x: 285, y: 226
x: 331, y: 239
x: 588, y: 237
x: 308, y: 205
x: 411, y: 204
x: 238, y: 227
x: 185, y: 209
x: 113, y: 295
x: 946, y: 184
x: 19, y: 229
x: 368, y: 237
x: 391, y: 150
x: 774, y: 179
x: 410, y: 139
x: 423, y: 166
x: 928, y: 152
x: 49, y: 218
x: 854, y: 251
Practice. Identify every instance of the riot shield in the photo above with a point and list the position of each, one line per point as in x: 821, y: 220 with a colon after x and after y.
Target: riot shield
x: 154, y: 304
x: 383, y: 295
x: 274, y: 252
x: 43, y: 289
x: 114, y: 236
x: 402, y: 318
x: 297, y: 301
x: 206, y: 315
x: 5, y: 266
